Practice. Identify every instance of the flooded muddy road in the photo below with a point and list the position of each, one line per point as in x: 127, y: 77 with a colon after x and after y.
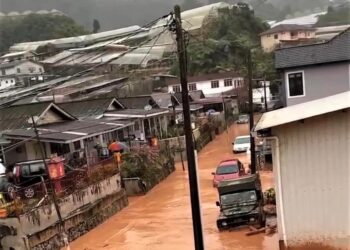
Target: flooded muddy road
x: 162, y: 218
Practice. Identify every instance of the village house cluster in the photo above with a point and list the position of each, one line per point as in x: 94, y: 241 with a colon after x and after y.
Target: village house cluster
x: 85, y: 93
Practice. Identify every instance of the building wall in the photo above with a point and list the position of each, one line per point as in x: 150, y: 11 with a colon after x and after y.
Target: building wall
x: 7, y: 82
x: 205, y: 86
x: 320, y: 81
x: 269, y: 42
x: 315, y: 174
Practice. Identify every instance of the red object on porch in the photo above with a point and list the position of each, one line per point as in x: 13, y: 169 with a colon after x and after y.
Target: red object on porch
x: 56, y: 168
x: 56, y: 172
x: 115, y: 147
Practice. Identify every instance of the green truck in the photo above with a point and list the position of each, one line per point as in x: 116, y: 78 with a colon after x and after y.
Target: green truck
x: 241, y: 202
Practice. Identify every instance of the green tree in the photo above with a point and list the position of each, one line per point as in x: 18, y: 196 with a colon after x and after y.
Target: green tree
x: 335, y: 16
x: 96, y: 26
x: 36, y: 28
x: 224, y: 44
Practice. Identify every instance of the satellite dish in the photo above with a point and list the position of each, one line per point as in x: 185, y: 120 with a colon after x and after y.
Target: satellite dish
x: 148, y: 107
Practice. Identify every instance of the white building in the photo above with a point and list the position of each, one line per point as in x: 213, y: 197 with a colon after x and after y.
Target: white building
x: 20, y: 67
x: 311, y: 146
x: 7, y: 82
x: 211, y: 85
x: 259, y: 94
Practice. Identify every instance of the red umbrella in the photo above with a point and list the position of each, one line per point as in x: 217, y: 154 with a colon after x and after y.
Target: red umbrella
x: 115, y: 146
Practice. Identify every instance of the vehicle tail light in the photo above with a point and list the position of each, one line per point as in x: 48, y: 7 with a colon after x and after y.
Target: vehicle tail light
x: 17, y: 173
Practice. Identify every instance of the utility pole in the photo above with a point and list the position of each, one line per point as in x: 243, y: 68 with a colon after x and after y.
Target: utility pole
x: 265, y: 97
x: 193, y: 181
x: 177, y: 133
x: 54, y: 197
x: 251, y: 113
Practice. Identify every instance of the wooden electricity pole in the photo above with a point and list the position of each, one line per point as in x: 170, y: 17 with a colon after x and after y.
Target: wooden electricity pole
x: 52, y: 187
x: 191, y: 160
x: 251, y: 112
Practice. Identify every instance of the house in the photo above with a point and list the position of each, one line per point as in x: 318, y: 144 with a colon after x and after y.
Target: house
x: 310, y: 148
x: 146, y: 121
x: 212, y: 85
x: 61, y: 133
x: 271, y: 38
x: 24, y: 71
x: 314, y: 71
x: 20, y: 67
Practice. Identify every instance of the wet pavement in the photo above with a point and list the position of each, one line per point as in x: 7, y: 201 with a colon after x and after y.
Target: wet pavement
x: 162, y: 218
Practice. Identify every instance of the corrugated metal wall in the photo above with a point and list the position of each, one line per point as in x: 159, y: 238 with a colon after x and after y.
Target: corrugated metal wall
x: 315, y: 174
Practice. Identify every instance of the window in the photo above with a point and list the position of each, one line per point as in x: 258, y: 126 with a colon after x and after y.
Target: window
x: 40, y: 70
x: 25, y: 170
x: 293, y: 34
x: 228, y: 82
x: 177, y: 88
x: 214, y: 84
x: 295, y: 84
x: 18, y: 70
x: 3, y: 72
x: 76, y: 145
x: 37, y: 168
x: 59, y: 149
x: 7, y: 81
x: 192, y: 87
x: 275, y: 36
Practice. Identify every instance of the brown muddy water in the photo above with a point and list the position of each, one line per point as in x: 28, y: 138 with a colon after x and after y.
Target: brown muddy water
x: 162, y: 219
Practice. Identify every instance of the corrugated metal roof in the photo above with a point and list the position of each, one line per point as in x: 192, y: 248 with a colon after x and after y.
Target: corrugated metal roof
x: 138, y: 102
x: 66, y: 131
x: 132, y: 113
x: 90, y: 108
x: 335, y: 50
x: 15, y: 117
x: 304, y: 110
x: 78, y: 40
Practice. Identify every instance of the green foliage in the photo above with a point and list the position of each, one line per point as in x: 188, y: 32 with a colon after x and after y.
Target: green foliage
x: 224, y: 44
x: 338, y: 16
x: 36, y: 28
x: 146, y: 163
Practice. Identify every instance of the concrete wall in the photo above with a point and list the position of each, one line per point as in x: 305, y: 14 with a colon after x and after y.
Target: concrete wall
x: 314, y: 176
x: 45, y: 217
x: 205, y: 86
x: 320, y: 81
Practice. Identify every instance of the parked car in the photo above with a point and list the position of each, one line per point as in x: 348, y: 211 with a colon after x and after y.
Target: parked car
x: 241, y: 202
x: 28, y: 173
x: 241, y: 144
x: 228, y: 170
x: 243, y: 119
